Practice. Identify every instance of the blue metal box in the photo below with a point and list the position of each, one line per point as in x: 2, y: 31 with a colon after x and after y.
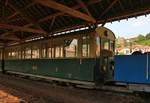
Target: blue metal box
x: 132, y: 68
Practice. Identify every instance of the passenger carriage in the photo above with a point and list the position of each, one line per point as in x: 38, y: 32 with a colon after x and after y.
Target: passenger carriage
x: 81, y: 57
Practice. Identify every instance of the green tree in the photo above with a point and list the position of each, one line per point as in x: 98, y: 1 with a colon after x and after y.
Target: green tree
x: 140, y: 37
x: 148, y: 36
x: 117, y: 45
x: 121, y: 53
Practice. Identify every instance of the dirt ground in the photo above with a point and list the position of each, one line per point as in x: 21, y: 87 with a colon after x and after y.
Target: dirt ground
x: 19, y: 90
x: 7, y: 98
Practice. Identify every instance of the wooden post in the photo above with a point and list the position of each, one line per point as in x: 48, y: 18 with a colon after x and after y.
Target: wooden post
x: 64, y: 52
x: 40, y: 51
x: 21, y: 53
x: 46, y: 50
x: 31, y: 51
x: 80, y: 47
x: 3, y: 61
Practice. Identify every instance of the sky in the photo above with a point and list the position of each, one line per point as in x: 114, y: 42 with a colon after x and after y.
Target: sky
x: 131, y: 28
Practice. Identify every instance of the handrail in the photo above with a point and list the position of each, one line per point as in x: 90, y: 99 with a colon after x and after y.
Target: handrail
x: 147, y: 67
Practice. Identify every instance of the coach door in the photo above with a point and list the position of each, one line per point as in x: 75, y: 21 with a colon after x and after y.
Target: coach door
x: 106, y: 55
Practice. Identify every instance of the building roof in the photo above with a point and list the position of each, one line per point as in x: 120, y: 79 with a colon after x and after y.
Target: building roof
x: 25, y: 19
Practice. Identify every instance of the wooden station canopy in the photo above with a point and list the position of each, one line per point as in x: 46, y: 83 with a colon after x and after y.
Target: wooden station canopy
x: 22, y: 20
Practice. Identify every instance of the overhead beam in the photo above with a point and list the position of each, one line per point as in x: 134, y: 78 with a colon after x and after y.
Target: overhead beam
x: 6, y: 2
x: 52, y: 23
x: 4, y: 34
x: 112, y: 9
x: 122, y: 7
x: 37, y: 36
x: 2, y: 44
x: 108, y: 8
x: 20, y: 28
x: 27, y: 18
x: 124, y: 16
x: 10, y: 43
x: 65, y: 9
x: 3, y: 10
x: 14, y: 14
x: 81, y: 3
x: 141, y: 2
x: 10, y: 38
x: 131, y: 4
x: 62, y: 13
x: 104, y: 23
x: 17, y: 12
x: 7, y: 33
x: 128, y: 15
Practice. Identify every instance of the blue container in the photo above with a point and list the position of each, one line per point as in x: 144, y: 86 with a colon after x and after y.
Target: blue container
x: 132, y: 69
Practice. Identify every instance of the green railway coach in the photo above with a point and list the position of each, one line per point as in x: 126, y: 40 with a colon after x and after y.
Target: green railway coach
x: 82, y: 57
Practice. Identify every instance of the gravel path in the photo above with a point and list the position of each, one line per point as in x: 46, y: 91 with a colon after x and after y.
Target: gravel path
x: 7, y: 98
x: 28, y: 91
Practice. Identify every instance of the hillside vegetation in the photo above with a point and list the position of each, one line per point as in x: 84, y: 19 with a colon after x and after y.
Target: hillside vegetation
x: 139, y: 40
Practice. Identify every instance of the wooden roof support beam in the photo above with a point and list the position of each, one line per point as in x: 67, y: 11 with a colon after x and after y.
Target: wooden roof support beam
x: 108, y: 1
x: 128, y: 15
x: 37, y: 36
x: 62, y: 13
x: 121, y: 5
x: 6, y: 2
x: 84, y: 7
x: 29, y: 20
x: 7, y: 33
x: 10, y: 38
x: 65, y: 9
x: 141, y: 2
x: 4, y: 34
x: 93, y: 2
x: 3, y: 14
x: 103, y: 23
x: 20, y: 28
x: 14, y: 14
x: 131, y: 4
x: 2, y: 44
x: 17, y: 12
x: 109, y: 7
x: 52, y: 23
x: 10, y: 43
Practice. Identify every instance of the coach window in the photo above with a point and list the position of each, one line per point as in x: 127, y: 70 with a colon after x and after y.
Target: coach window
x: 43, y: 51
x: 49, y: 52
x: 71, y: 48
x: 85, y: 46
x: 16, y: 54
x: 112, y: 45
x: 23, y: 53
x: 13, y: 55
x: 35, y: 52
x: 97, y: 46
x: 53, y: 52
x: 105, y: 44
x: 9, y: 54
x: 28, y: 53
x: 19, y: 54
x: 58, y: 52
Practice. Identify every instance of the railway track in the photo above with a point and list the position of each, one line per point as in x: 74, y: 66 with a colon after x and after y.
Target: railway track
x: 45, y: 92
x: 111, y: 88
